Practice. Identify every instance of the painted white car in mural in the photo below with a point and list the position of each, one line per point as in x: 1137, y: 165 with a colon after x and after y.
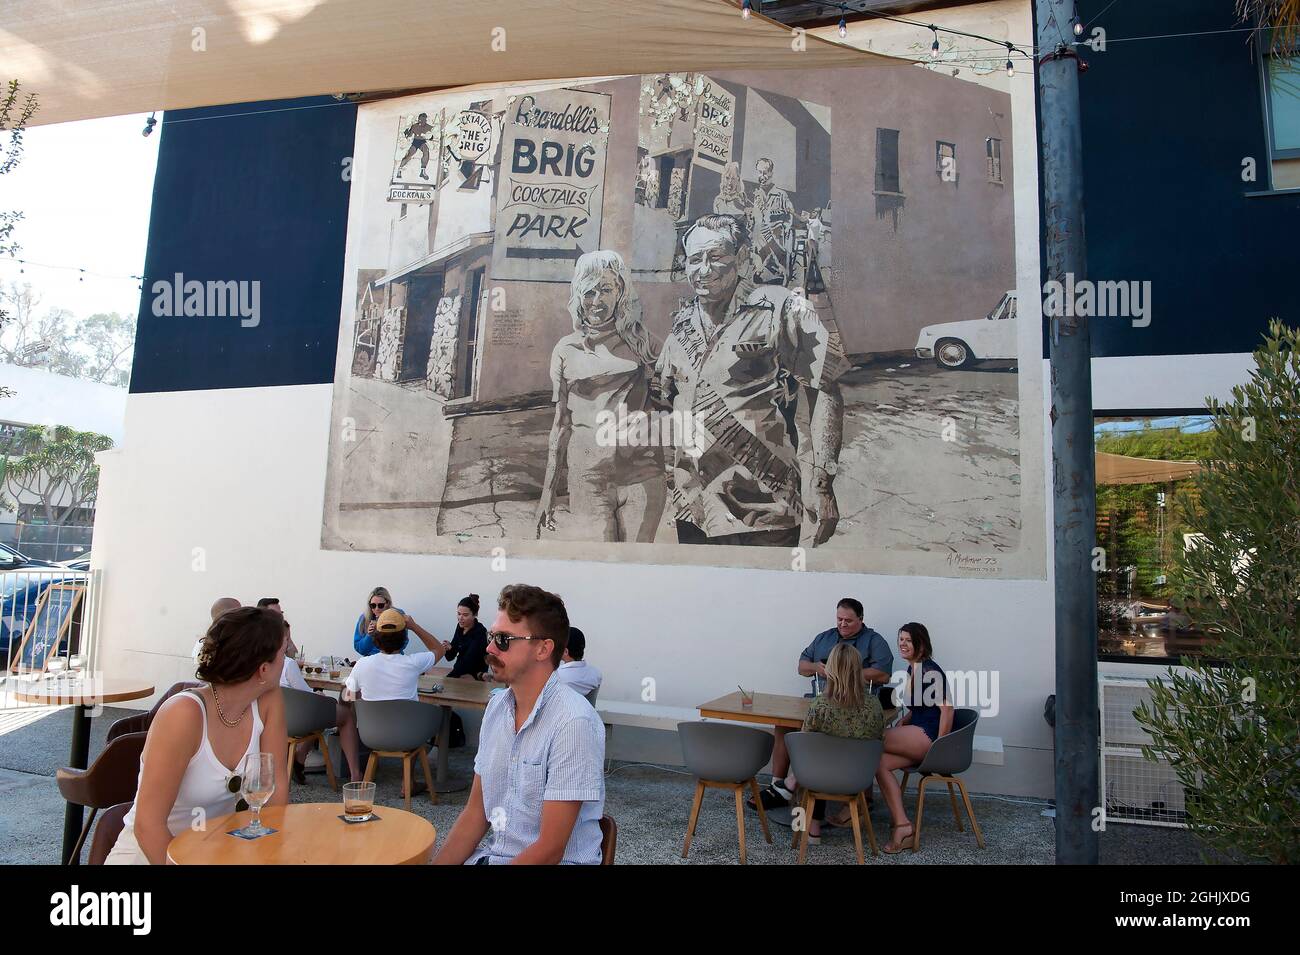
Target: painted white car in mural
x: 961, y: 344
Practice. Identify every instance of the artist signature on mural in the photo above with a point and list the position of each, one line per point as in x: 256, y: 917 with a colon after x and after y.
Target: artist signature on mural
x: 971, y: 564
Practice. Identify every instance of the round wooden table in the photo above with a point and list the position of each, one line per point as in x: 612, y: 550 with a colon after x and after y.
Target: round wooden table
x: 310, y: 834
x: 84, y: 695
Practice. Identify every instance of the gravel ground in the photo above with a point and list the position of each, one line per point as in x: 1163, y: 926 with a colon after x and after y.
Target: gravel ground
x: 650, y: 804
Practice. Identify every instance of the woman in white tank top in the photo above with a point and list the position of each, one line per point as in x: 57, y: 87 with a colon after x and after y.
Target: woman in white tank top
x: 199, y: 738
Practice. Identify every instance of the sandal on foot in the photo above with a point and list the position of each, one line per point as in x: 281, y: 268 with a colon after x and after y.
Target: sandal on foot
x: 904, y: 843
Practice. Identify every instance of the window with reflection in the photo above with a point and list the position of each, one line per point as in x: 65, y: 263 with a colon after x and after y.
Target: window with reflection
x: 1146, y: 469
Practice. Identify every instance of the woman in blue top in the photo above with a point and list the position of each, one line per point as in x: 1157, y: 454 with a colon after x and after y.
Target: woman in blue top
x: 363, y: 636
x: 929, y: 716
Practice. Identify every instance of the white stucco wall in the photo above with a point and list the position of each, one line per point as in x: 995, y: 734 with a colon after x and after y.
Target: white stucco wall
x: 48, y: 399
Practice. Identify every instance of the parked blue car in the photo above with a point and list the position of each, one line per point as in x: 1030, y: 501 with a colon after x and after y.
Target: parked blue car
x: 22, y: 581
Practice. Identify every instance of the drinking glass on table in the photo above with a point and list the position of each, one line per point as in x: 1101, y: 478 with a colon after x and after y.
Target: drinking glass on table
x: 358, y: 801
x: 257, y: 784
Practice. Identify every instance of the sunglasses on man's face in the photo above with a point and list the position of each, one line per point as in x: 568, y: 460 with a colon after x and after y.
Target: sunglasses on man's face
x: 503, y: 640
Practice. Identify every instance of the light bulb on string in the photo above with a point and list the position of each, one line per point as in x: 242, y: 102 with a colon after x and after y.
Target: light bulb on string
x: 934, y: 47
x: 744, y: 10
x: 1011, y: 67
x: 1078, y: 28
x: 844, y: 27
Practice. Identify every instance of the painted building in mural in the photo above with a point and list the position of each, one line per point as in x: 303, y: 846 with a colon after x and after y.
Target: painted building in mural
x: 750, y: 404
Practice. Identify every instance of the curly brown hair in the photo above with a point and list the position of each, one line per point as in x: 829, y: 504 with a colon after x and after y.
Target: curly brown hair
x: 544, y: 612
x: 238, y: 642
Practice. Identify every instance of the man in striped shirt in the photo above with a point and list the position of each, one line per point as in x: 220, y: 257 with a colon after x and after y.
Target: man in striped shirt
x: 539, y: 782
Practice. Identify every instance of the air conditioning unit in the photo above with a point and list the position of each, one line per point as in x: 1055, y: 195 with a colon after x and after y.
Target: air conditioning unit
x: 1134, y: 789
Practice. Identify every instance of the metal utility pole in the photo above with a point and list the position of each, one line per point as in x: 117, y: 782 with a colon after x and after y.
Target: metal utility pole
x: 1074, y: 505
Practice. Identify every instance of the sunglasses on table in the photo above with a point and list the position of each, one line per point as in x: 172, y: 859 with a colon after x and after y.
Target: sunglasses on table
x: 503, y: 640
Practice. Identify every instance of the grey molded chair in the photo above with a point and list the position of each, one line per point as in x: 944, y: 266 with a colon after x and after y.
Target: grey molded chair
x: 722, y: 756
x: 834, y: 770
x: 948, y: 756
x: 609, y: 729
x: 398, y: 728
x: 307, y: 716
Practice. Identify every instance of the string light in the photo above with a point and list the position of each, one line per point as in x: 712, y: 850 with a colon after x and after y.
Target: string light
x: 935, y: 28
x: 1078, y: 23
x: 149, y: 124
x: 744, y: 10
x: 82, y: 272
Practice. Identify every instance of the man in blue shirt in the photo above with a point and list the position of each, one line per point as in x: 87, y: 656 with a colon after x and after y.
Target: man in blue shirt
x: 877, y: 668
x: 539, y: 781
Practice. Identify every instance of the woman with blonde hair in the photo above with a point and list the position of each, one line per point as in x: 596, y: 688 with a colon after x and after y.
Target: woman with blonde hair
x: 363, y: 635
x: 731, y: 199
x: 845, y: 710
x: 601, y: 376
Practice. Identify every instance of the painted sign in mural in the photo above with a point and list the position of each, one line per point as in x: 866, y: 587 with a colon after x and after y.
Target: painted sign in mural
x: 715, y: 119
x: 417, y: 161
x: 634, y: 342
x: 551, y: 206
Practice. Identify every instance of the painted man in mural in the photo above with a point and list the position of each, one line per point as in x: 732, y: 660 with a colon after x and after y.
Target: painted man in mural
x: 755, y: 369
x: 419, y: 132
x: 603, y: 371
x: 772, y: 228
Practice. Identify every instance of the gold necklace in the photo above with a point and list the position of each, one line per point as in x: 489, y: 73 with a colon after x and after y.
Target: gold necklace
x: 221, y: 713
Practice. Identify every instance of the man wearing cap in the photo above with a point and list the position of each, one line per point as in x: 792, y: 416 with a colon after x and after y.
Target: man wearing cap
x: 391, y: 674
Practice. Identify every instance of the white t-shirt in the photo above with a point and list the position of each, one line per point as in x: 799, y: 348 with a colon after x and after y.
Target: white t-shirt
x: 580, y: 675
x: 291, y: 676
x: 390, y: 676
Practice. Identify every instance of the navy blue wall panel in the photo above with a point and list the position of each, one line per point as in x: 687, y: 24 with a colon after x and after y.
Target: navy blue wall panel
x: 1166, y: 124
x: 248, y: 193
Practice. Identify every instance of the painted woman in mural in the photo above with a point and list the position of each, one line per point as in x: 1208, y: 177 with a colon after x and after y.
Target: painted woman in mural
x: 601, y: 375
x: 731, y: 199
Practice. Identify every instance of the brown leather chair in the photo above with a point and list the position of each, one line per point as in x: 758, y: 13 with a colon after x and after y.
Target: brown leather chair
x: 111, y: 779
x: 139, y: 723
x: 106, y: 833
x: 608, y: 839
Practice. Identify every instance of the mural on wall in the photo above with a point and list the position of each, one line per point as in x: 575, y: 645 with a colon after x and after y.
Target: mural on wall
x: 623, y: 333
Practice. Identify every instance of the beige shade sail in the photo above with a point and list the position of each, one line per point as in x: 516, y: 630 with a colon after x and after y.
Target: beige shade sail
x: 112, y: 57
x: 1122, y: 469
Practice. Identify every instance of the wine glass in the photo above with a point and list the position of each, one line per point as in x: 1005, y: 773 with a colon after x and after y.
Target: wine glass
x: 257, y: 784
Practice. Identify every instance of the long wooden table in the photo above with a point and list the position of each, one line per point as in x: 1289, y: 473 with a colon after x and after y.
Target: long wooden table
x: 309, y: 834
x: 458, y: 691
